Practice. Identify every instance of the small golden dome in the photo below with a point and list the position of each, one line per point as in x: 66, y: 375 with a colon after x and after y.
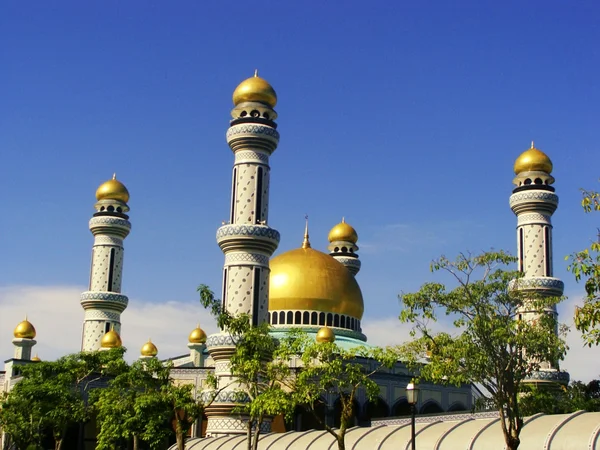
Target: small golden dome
x: 343, y: 232
x: 36, y: 358
x: 112, y: 190
x: 197, y: 336
x: 25, y: 330
x: 111, y: 340
x: 325, y: 334
x: 255, y: 89
x: 533, y: 159
x: 149, y: 349
x: 306, y: 279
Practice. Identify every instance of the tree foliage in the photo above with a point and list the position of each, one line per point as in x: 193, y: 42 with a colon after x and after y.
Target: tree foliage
x: 143, y: 403
x: 575, y: 397
x: 585, y: 265
x: 328, y: 370
x: 488, y: 346
x: 52, y: 396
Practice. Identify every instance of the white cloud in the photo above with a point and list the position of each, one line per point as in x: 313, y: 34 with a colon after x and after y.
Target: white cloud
x: 57, y: 316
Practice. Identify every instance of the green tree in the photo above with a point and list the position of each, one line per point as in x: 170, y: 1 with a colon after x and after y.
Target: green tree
x: 489, y: 346
x: 575, y: 397
x: 586, y: 265
x: 258, y: 369
x: 330, y: 370
x: 51, y: 396
x: 143, y: 403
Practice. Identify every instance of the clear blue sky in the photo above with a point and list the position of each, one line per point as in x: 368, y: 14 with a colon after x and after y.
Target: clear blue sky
x: 405, y: 117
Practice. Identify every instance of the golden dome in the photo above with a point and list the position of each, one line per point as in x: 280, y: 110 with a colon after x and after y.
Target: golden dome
x: 36, y: 358
x: 111, y: 340
x: 307, y: 279
x: 325, y: 334
x: 197, y: 336
x: 113, y: 190
x: 255, y: 89
x: 25, y: 330
x: 343, y: 232
x: 533, y: 159
x: 149, y: 349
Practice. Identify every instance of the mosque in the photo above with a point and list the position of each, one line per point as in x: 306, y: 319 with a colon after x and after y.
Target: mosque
x: 301, y: 288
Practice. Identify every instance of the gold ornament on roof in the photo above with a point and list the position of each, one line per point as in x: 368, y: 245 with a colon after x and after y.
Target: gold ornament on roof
x: 36, y: 358
x: 343, y: 232
x: 255, y: 89
x: 197, y: 336
x: 112, y: 189
x: 25, y: 330
x: 149, y: 349
x: 533, y: 159
x: 325, y: 334
x: 111, y: 340
x: 306, y: 279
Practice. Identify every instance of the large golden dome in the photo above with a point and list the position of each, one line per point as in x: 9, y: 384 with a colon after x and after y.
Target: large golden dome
x: 533, y: 159
x: 111, y: 340
x: 25, y: 330
x: 309, y: 280
x: 343, y: 232
x: 113, y: 190
x: 255, y: 89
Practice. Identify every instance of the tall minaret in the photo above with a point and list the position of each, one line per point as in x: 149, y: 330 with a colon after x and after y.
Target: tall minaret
x: 103, y: 302
x: 247, y: 241
x: 533, y: 201
x: 342, y: 245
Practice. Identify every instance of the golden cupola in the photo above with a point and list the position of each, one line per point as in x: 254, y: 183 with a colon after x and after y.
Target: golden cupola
x: 197, y: 336
x: 306, y: 282
x: 255, y: 89
x: 533, y: 160
x: 111, y: 339
x: 343, y: 232
x: 325, y: 334
x: 149, y: 350
x: 112, y: 189
x: 25, y: 330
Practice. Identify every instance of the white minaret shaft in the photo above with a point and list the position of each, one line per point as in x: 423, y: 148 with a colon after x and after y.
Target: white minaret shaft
x: 247, y: 240
x: 103, y: 302
x: 533, y: 201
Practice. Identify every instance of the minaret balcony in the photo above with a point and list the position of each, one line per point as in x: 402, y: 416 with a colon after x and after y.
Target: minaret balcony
x: 533, y: 201
x: 547, y: 286
x: 234, y: 237
x: 104, y: 300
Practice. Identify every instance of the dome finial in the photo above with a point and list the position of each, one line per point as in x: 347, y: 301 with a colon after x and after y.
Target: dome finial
x: 532, y: 146
x: 114, y: 175
x: 306, y: 242
x: 256, y: 73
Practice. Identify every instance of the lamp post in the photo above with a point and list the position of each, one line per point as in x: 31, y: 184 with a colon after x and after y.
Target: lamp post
x: 412, y: 395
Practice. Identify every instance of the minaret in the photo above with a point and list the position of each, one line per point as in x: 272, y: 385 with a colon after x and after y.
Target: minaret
x: 103, y: 302
x: 342, y: 245
x: 247, y: 241
x: 533, y: 201
x: 197, y: 344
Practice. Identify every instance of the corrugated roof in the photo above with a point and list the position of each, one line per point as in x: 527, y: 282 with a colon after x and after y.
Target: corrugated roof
x: 579, y: 430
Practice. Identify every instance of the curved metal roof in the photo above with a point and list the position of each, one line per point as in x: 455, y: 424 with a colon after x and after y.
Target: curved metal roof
x: 579, y: 430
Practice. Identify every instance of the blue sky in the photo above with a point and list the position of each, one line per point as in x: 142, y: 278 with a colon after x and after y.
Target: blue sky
x: 405, y: 118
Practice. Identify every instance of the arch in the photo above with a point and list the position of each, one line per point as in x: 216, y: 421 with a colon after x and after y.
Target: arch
x: 322, y: 318
x: 337, y: 413
x: 375, y: 409
x: 298, y: 318
x: 329, y: 319
x: 457, y: 406
x: 336, y: 320
x: 314, y: 318
x: 343, y: 321
x: 281, y: 317
x: 431, y: 407
x: 290, y: 318
x: 274, y: 318
x: 305, y: 318
x: 401, y: 408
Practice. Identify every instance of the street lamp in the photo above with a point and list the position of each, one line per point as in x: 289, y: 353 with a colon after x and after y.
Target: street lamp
x: 412, y: 395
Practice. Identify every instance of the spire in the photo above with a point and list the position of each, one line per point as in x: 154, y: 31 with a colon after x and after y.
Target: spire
x: 256, y: 73
x: 306, y: 242
x: 343, y: 219
x: 532, y: 146
x: 114, y: 175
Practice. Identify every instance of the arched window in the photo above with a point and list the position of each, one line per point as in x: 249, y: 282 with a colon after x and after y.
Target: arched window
x: 298, y: 318
x: 306, y: 318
